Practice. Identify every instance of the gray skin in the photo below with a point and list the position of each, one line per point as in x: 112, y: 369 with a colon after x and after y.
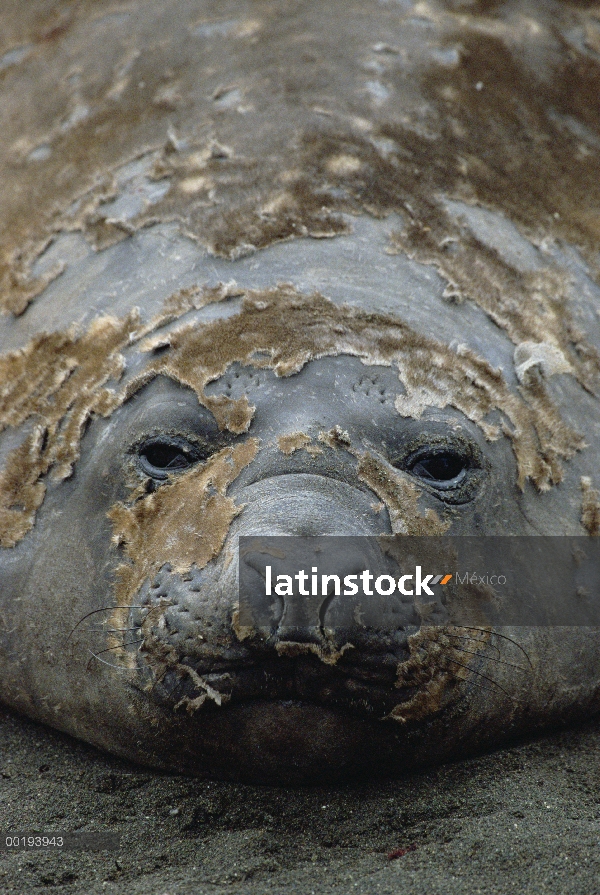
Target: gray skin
x: 148, y: 174
x: 288, y: 719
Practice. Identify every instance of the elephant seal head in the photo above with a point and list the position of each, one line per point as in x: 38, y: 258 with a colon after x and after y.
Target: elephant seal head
x: 360, y: 300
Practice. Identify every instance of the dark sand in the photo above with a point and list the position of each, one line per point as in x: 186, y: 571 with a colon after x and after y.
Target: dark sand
x: 526, y: 819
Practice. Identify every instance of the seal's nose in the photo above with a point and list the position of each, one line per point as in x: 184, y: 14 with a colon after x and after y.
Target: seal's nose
x: 299, y: 606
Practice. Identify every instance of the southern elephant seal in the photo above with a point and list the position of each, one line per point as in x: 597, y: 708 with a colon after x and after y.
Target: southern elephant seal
x: 290, y: 269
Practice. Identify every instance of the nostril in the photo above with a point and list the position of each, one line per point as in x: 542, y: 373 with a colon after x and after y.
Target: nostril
x: 277, y: 608
x: 325, y: 606
x: 257, y: 564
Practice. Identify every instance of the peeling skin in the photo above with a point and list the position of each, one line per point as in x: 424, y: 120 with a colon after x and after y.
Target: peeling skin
x: 60, y: 381
x: 242, y: 632
x: 533, y: 358
x: 297, y: 441
x: 400, y: 496
x: 206, y: 692
x: 531, y: 307
x: 326, y: 651
x: 195, y: 512
x: 436, y: 662
x: 21, y: 491
x: 191, y: 298
x: 287, y: 161
x: 288, y: 444
x: 590, y: 507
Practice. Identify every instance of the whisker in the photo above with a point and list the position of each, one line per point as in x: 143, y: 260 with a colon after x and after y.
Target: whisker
x: 95, y: 611
x: 104, y: 662
x: 116, y: 667
x: 489, y: 658
x: 502, y: 636
x: 481, y: 686
x: 119, y: 646
x: 473, y: 640
x: 480, y: 674
x: 109, y: 649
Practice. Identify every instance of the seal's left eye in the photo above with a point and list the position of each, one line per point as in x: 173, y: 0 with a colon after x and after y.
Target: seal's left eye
x: 445, y: 469
x: 161, y: 458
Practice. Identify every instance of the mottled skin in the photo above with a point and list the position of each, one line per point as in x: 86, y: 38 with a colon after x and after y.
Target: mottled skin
x: 461, y: 324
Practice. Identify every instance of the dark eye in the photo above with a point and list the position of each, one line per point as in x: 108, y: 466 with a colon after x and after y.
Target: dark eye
x: 445, y: 469
x: 161, y: 458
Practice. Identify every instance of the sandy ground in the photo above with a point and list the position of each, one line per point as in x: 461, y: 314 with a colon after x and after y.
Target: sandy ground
x: 526, y: 819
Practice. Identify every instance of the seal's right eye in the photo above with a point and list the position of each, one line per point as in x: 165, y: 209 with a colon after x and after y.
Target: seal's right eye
x: 160, y: 458
x: 450, y: 466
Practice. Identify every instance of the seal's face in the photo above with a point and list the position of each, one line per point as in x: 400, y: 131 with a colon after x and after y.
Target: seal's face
x: 326, y: 452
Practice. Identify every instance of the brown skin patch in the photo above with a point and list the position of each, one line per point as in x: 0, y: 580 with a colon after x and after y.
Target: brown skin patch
x: 288, y: 444
x: 590, y: 507
x: 397, y: 492
x: 191, y: 298
x: 528, y: 307
x: 514, y: 156
x: 326, y: 651
x: 400, y: 496
x: 21, y: 491
x: 437, y: 661
x: 58, y: 380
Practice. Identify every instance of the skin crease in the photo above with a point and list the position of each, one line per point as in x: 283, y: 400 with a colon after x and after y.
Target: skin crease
x: 166, y: 292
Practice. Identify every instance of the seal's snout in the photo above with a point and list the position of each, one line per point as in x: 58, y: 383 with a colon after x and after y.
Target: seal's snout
x: 310, y: 642
x: 298, y: 506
